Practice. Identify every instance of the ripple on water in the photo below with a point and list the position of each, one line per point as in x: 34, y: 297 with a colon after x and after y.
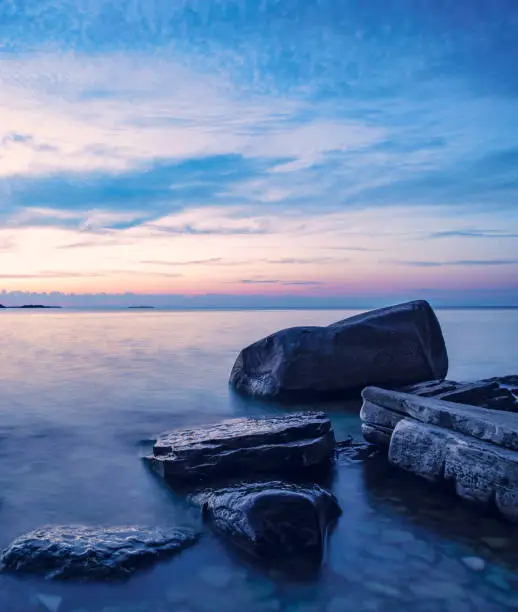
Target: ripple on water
x: 74, y: 411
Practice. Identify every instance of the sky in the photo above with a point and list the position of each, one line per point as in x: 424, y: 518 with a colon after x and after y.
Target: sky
x: 241, y: 152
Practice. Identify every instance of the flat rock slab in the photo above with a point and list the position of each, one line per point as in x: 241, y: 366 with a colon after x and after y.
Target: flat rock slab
x: 386, y: 408
x: 273, y: 521
x: 392, y: 346
x: 473, y: 447
x: 285, y: 445
x: 76, y: 552
x: 493, y: 393
x: 480, y: 472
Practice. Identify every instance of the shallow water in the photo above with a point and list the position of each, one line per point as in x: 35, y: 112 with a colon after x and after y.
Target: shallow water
x: 82, y: 394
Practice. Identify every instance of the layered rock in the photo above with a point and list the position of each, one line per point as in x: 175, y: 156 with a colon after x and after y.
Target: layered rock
x: 392, y: 346
x: 278, y: 446
x: 273, y: 521
x: 494, y: 393
x: 475, y: 448
x: 84, y: 553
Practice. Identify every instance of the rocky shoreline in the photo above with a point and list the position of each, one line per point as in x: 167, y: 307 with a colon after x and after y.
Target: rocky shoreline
x: 265, y: 485
x: 431, y: 432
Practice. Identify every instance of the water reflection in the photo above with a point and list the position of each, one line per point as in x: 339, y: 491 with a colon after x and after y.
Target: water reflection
x: 78, y: 413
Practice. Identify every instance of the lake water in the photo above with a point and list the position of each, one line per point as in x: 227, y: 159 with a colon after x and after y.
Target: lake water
x: 81, y: 395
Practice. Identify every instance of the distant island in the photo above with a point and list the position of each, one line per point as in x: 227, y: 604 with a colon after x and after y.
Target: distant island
x: 28, y: 306
x: 141, y: 307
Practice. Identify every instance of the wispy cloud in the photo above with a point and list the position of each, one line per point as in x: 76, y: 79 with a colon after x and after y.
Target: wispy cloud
x: 459, y: 262
x: 51, y: 274
x: 306, y: 261
x: 475, y: 233
x: 62, y: 274
x: 302, y: 283
x: 206, y: 231
x: 213, y: 135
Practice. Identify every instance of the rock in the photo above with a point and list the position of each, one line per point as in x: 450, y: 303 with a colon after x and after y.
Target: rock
x: 386, y: 408
x: 475, y: 563
x: 499, y: 581
x: 492, y: 393
x: 280, y: 446
x: 338, y: 604
x: 349, y: 451
x: 435, y: 589
x: 50, y: 602
x: 272, y: 521
x: 216, y: 575
x: 89, y: 553
x: 392, y: 346
x: 382, y: 589
x: 496, y: 543
x: 472, y: 447
x: 396, y: 536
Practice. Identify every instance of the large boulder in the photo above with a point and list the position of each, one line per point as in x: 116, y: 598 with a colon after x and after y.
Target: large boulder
x: 273, y: 521
x: 289, y: 445
x: 77, y: 552
x: 473, y: 447
x: 398, y: 345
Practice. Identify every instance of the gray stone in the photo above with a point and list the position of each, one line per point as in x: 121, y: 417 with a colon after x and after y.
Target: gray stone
x: 383, y: 589
x: 392, y: 346
x: 497, y: 427
x: 92, y: 553
x: 475, y: 563
x: 421, y: 550
x: 279, y: 446
x: 510, y: 600
x: 493, y: 393
x: 50, y: 602
x: 396, y: 536
x: 471, y: 446
x: 273, y: 521
x: 498, y: 580
x: 175, y: 596
x: 216, y: 576
x: 339, y: 604
x: 496, y: 543
x: 435, y: 589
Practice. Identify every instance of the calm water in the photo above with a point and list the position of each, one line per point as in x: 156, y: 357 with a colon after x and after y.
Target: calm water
x: 81, y: 395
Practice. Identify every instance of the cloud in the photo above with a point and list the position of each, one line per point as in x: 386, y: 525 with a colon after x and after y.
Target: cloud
x: 251, y: 281
x: 477, y: 233
x: 195, y: 262
x: 60, y: 274
x: 202, y: 130
x: 305, y: 261
x: 51, y: 274
x: 460, y: 262
x: 207, y: 231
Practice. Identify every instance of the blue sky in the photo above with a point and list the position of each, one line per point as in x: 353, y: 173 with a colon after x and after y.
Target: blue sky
x: 302, y: 150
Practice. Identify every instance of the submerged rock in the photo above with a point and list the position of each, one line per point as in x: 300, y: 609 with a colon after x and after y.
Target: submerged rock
x: 472, y: 447
x: 273, y: 521
x: 89, y: 553
x: 281, y: 446
x: 392, y: 346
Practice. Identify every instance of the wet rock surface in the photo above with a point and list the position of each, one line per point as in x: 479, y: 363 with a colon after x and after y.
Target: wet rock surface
x: 278, y: 446
x: 473, y: 448
x: 392, y: 346
x: 82, y: 553
x: 493, y: 393
x: 273, y: 521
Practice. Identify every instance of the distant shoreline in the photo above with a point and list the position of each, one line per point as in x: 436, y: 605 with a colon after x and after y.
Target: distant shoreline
x: 27, y: 307
x: 232, y: 308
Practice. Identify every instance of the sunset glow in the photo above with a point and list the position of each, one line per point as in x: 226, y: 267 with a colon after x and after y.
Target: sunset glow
x: 367, y: 159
